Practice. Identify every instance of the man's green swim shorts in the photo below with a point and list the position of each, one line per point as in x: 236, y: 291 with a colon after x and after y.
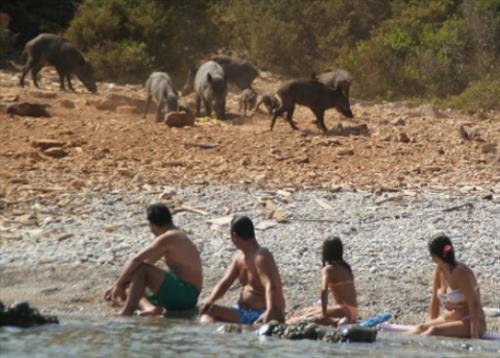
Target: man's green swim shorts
x: 174, y: 294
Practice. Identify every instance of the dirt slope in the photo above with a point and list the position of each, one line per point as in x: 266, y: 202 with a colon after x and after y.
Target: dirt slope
x: 105, y: 144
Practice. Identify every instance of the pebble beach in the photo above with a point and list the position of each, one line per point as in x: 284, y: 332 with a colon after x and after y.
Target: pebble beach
x: 62, y: 253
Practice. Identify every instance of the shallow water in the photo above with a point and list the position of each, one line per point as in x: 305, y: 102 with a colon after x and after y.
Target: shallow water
x: 97, y: 337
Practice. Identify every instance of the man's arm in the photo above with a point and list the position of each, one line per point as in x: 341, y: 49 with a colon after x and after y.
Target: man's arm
x: 222, y: 286
x: 265, y: 266
x: 434, y: 305
x: 151, y: 254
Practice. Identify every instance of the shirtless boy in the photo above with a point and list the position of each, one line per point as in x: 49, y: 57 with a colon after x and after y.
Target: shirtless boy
x: 261, y: 297
x: 152, y: 289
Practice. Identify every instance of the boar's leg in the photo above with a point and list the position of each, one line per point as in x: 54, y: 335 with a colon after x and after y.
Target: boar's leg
x: 278, y: 112
x: 208, y: 107
x: 160, y: 104
x: 148, y: 103
x: 198, y: 104
x: 62, y: 76
x: 70, y: 85
x: 34, y: 73
x: 320, y: 119
x: 26, y: 69
x: 289, y: 117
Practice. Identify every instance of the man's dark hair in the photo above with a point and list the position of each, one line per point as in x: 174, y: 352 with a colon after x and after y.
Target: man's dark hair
x: 243, y: 227
x: 159, y: 214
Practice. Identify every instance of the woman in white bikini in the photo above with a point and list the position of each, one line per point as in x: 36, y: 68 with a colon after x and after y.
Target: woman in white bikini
x: 337, y: 276
x: 456, y: 288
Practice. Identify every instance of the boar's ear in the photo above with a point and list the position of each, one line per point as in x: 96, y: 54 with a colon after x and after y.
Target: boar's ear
x: 209, y: 78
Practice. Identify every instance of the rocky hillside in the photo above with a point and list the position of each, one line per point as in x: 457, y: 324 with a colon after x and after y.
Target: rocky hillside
x: 101, y: 142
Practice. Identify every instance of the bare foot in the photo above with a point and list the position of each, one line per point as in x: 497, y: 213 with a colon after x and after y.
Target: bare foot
x: 156, y: 311
x: 342, y: 321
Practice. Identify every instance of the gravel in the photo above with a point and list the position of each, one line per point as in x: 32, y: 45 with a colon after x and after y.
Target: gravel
x: 90, y: 236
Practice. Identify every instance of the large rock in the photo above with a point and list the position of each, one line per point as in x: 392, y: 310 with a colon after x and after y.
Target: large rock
x: 28, y: 109
x: 56, y: 152
x: 179, y: 119
x: 23, y: 315
x: 313, y: 331
x: 46, y: 143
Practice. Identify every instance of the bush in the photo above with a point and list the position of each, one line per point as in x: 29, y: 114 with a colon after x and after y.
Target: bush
x: 4, y: 41
x: 479, y: 95
x: 127, y: 39
x: 31, y: 17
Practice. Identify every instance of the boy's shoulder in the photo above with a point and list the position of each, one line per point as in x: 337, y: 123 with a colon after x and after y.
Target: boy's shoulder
x: 172, y: 235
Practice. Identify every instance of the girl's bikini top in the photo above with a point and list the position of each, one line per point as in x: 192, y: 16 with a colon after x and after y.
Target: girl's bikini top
x: 454, y: 296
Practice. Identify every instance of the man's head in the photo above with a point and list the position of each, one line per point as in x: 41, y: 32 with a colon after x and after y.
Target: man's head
x: 242, y: 229
x: 159, y: 218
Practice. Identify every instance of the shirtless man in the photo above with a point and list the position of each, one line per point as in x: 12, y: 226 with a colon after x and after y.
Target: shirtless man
x: 152, y: 289
x: 261, y: 297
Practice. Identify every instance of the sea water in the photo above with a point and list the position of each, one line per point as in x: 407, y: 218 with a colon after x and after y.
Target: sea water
x: 155, y: 337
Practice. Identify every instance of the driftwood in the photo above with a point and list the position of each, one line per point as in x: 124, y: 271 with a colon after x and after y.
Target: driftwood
x: 190, y: 209
x: 203, y: 145
x: 458, y: 207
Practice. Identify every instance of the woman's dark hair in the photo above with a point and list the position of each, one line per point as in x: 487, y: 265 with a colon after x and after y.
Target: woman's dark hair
x: 332, y: 252
x: 159, y: 214
x: 243, y: 227
x: 441, y: 246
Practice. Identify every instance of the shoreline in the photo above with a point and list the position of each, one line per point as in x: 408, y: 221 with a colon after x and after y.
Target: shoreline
x: 62, y: 253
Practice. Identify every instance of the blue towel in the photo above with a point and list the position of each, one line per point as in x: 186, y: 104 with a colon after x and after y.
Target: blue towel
x: 375, y: 320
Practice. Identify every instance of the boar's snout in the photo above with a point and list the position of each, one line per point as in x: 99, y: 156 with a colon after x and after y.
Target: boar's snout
x: 348, y: 113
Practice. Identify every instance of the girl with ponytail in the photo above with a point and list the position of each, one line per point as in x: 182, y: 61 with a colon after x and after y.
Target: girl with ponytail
x: 336, y: 275
x: 455, y: 288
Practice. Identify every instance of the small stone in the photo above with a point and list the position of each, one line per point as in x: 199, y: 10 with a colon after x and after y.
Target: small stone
x: 399, y: 122
x: 179, y: 119
x: 66, y: 103
x: 489, y: 148
x: 225, y: 220
x: 77, y: 184
x: 302, y: 159
x: 126, y: 172
x: 28, y: 109
x: 230, y: 328
x: 266, y: 224
x: 280, y: 216
x: 403, y: 137
x: 55, y: 152
x: 46, y: 143
x: 345, y: 152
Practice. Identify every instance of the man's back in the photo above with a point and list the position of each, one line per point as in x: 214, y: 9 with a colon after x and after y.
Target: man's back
x: 182, y: 257
x: 253, y: 291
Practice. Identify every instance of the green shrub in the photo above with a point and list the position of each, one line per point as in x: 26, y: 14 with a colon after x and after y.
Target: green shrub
x: 127, y: 39
x: 483, y: 94
x: 4, y: 41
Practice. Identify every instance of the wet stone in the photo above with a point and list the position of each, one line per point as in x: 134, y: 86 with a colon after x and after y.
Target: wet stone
x: 23, y: 315
x: 313, y: 331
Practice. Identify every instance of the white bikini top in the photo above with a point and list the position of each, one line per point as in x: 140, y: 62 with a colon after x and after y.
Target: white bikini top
x: 454, y: 296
